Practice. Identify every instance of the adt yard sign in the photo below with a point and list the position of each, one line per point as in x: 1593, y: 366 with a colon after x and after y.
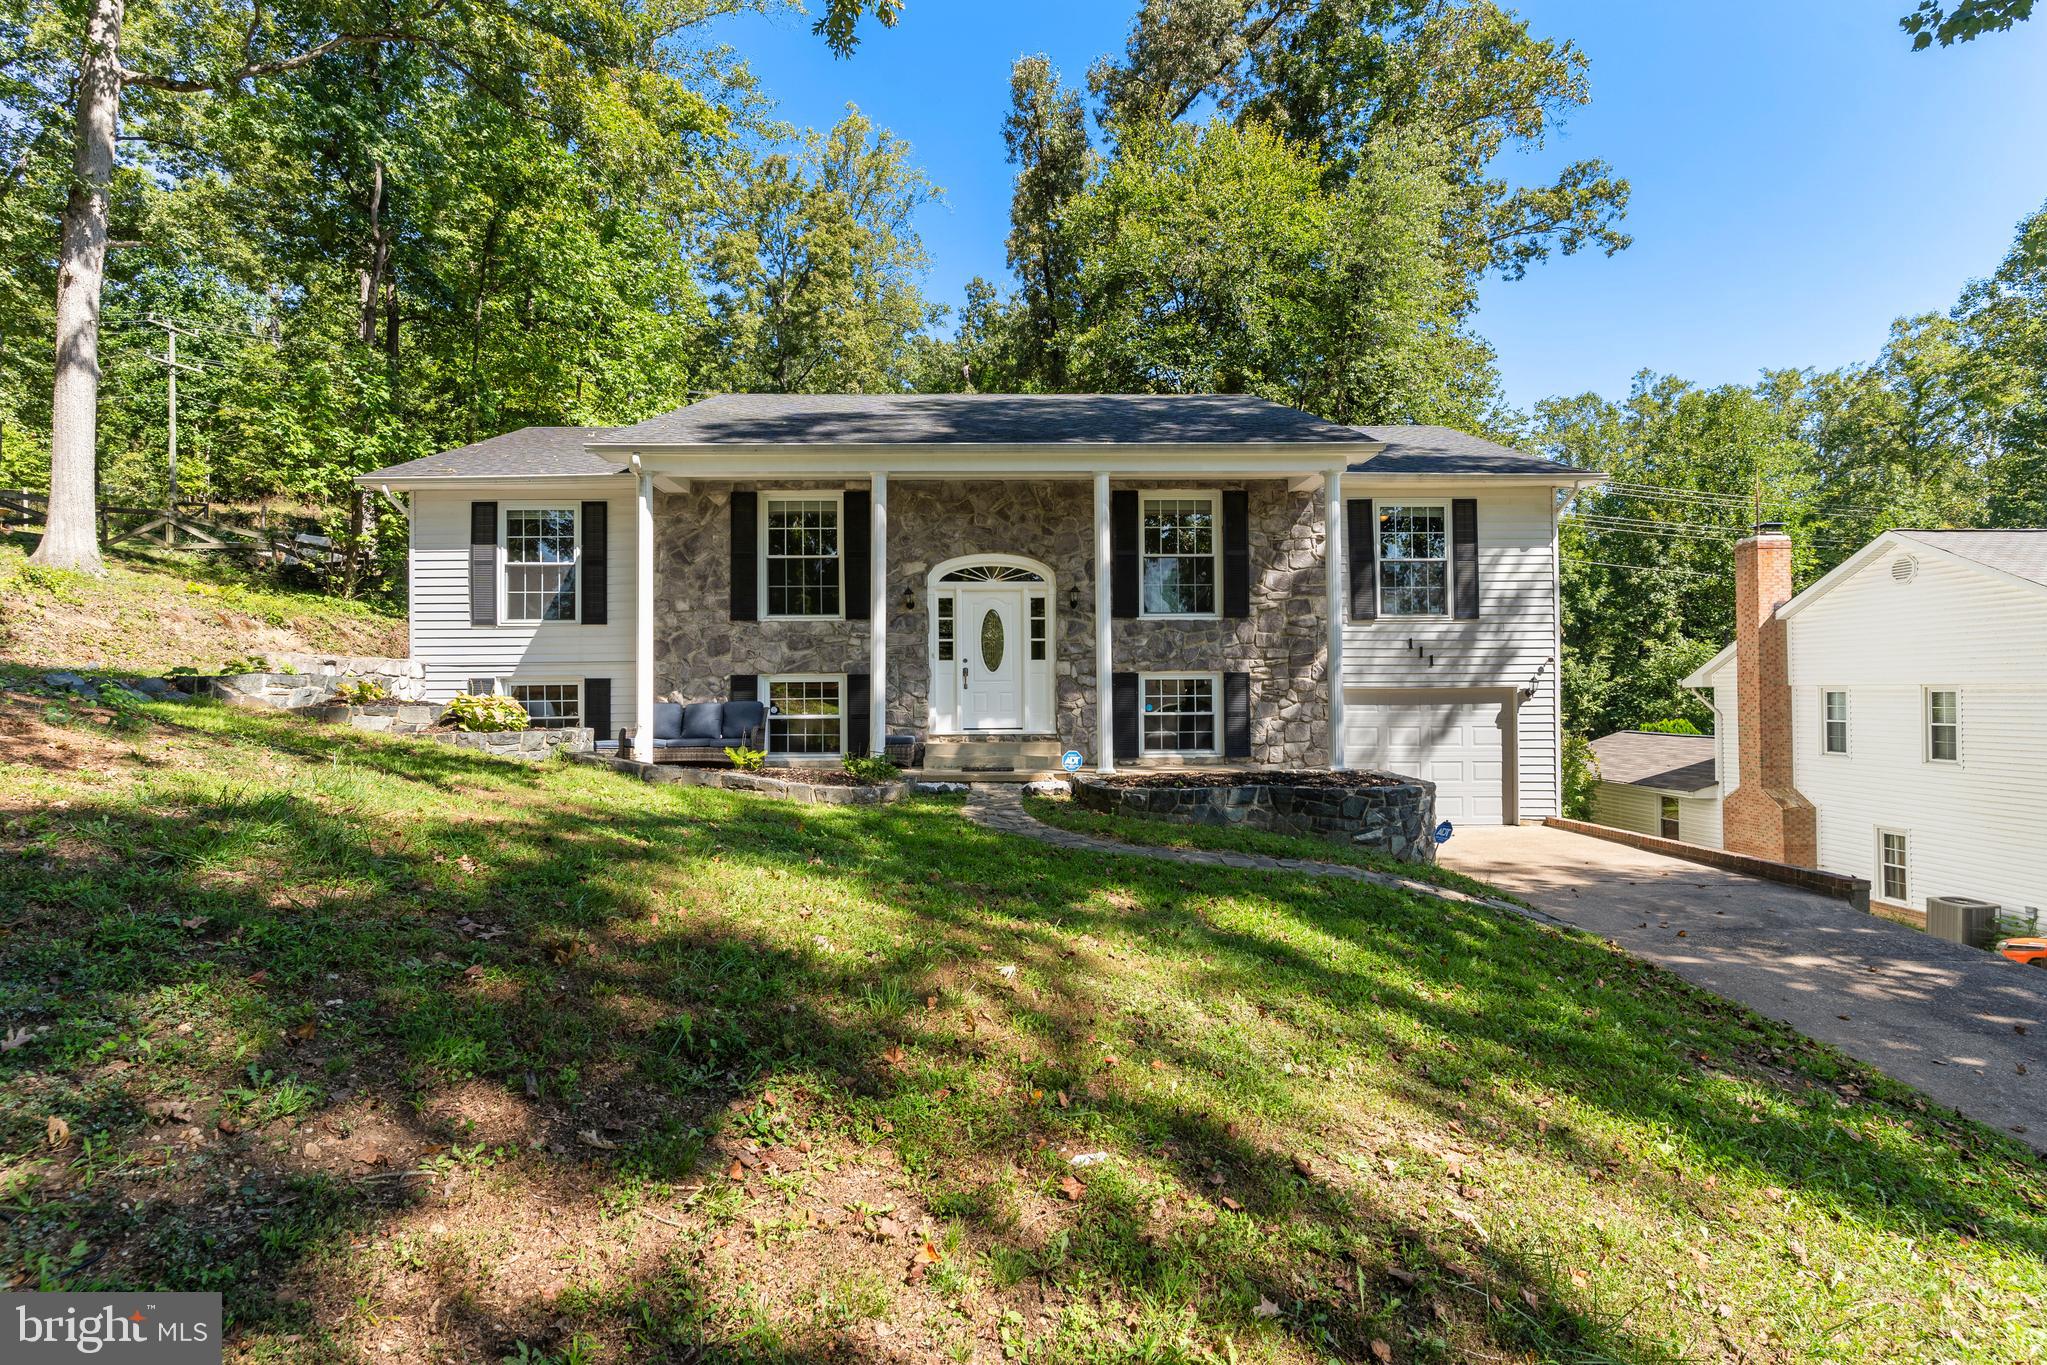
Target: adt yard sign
x: 1443, y: 832
x: 1071, y: 760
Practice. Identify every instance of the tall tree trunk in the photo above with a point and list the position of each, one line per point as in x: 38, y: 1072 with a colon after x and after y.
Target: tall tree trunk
x: 70, y: 538
x: 370, y: 280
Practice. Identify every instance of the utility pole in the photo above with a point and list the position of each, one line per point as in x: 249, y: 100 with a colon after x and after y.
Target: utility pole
x: 169, y: 359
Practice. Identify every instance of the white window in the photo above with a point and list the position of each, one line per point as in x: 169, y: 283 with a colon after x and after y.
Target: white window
x: 1038, y: 624
x: 540, y: 564
x: 1944, y: 727
x: 1893, y: 867
x: 801, y: 569
x: 945, y: 628
x: 1178, y: 715
x: 550, y: 706
x: 1833, y: 722
x: 1414, y: 559
x: 806, y: 715
x: 1180, y: 554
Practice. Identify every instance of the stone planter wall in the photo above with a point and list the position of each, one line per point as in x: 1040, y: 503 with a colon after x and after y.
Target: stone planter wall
x: 385, y: 717
x: 530, y: 745
x: 788, y: 788
x: 1399, y: 819
x: 312, y: 684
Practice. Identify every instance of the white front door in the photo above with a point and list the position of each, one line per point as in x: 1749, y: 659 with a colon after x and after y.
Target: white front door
x: 991, y: 658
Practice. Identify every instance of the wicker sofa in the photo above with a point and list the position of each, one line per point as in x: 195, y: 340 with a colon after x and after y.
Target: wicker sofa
x: 701, y: 731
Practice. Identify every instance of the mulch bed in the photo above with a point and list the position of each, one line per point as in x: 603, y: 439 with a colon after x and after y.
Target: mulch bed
x: 1290, y: 777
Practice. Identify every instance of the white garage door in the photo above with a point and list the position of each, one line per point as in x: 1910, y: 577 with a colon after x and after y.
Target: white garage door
x: 1461, y: 746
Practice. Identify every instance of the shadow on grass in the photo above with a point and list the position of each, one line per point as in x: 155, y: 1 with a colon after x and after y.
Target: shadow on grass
x: 633, y: 961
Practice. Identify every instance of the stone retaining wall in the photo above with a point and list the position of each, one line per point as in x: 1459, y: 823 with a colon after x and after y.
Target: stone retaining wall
x: 385, y: 717
x: 788, y: 788
x: 530, y: 745
x: 1398, y: 819
x: 312, y: 680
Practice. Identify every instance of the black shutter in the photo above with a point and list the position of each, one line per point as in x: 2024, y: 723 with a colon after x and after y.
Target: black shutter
x: 857, y: 713
x: 596, y: 565
x: 1123, y: 697
x: 1123, y: 573
x: 483, y: 563
x: 1360, y: 543
x: 746, y: 532
x: 744, y: 687
x: 597, y: 704
x: 856, y: 541
x: 1236, y: 553
x: 1464, y: 556
x: 1236, y: 715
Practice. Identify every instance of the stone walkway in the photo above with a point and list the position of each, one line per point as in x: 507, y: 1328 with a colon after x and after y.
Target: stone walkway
x: 1000, y: 807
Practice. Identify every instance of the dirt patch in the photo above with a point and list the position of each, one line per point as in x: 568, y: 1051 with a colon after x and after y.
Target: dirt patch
x: 1289, y: 777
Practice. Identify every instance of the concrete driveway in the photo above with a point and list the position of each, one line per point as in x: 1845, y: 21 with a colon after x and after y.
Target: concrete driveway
x: 1967, y: 1028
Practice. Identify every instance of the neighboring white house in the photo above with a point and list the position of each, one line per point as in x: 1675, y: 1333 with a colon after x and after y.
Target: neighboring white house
x: 1660, y: 784
x: 1143, y: 578
x: 1898, y: 724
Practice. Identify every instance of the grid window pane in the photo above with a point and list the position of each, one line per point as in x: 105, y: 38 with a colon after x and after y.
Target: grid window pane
x: 803, y: 557
x: 1895, y: 868
x: 550, y: 706
x: 1037, y: 628
x: 1179, y: 715
x: 1943, y: 726
x: 1179, y: 556
x: 803, y: 716
x: 540, y: 564
x: 1836, y: 722
x: 1414, y: 570
x: 944, y: 628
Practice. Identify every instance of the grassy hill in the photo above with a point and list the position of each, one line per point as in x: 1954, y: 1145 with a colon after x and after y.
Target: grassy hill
x: 152, y: 612
x: 418, y: 1055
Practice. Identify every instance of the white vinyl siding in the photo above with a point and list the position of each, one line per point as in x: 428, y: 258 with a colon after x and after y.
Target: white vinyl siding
x: 1974, y: 824
x: 1513, y: 644
x: 455, y: 651
x: 1620, y: 806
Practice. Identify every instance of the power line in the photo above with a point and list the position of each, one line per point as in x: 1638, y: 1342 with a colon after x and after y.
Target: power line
x: 1643, y: 568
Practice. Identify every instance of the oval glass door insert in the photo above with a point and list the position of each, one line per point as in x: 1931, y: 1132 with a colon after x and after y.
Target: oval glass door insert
x: 991, y: 640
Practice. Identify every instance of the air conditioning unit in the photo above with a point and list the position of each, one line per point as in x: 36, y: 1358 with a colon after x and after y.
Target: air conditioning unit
x: 1962, y: 919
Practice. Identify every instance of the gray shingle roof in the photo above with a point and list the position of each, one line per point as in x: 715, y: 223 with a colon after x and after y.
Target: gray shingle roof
x: 1446, y: 450
x: 528, y: 453
x: 1640, y: 758
x: 2020, y: 553
x: 983, y: 419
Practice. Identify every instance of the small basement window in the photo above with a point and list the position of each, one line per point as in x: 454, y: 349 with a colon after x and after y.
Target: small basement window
x: 1178, y: 715
x: 806, y: 715
x: 550, y: 706
x: 1667, y: 817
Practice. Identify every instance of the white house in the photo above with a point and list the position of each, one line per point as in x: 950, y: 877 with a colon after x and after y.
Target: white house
x: 1890, y: 722
x: 1660, y: 784
x: 1004, y: 578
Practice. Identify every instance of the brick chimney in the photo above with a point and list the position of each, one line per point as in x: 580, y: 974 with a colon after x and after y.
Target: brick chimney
x: 1765, y: 816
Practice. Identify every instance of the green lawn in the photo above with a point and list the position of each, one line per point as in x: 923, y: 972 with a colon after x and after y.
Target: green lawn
x: 421, y: 1056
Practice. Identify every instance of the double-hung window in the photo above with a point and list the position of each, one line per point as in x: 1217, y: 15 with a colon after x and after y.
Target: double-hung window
x: 1944, y: 726
x: 1894, y: 867
x: 1179, y: 713
x: 801, y: 568
x: 806, y: 715
x: 540, y: 564
x: 1667, y: 821
x: 550, y: 706
x: 1414, y: 559
x: 1180, y: 551
x: 1833, y: 722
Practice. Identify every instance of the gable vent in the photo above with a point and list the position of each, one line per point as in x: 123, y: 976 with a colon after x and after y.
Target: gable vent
x: 1904, y: 569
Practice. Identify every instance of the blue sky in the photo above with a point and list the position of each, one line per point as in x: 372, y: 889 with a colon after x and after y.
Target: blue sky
x: 1800, y: 176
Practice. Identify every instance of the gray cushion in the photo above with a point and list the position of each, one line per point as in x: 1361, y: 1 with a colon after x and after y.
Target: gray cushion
x: 740, y: 718
x: 667, y: 720
x: 700, y: 721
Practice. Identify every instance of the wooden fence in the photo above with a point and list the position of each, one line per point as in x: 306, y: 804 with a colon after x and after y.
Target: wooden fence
x: 193, y: 526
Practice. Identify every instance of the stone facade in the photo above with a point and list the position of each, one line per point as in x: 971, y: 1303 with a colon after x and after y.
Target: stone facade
x: 384, y: 717
x: 1398, y: 818
x: 1281, y: 644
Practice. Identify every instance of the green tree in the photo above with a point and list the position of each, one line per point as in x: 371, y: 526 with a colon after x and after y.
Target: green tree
x: 1046, y: 135
x: 1961, y: 22
x: 2004, y: 319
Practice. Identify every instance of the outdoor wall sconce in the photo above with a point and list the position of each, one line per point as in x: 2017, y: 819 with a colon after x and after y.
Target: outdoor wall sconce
x: 1072, y: 599
x: 909, y: 601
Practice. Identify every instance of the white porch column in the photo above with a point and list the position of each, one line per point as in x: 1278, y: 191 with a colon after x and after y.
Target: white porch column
x: 877, y: 617
x: 1105, y: 663
x: 1332, y: 521
x: 643, y: 624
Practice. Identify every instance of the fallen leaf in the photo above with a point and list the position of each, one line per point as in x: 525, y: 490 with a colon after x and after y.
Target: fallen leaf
x: 304, y: 1032
x: 1266, y: 1308
x: 888, y: 1229
x: 1529, y: 1297
x: 928, y: 1255
x: 17, y: 1037
x: 894, y: 1056
x: 597, y: 1139
x: 1232, y: 1205
x: 1073, y: 1188
x: 258, y: 978
x: 735, y: 1171
x: 1304, y: 1167
x: 1064, y: 1102
x: 1403, y: 1276
x: 1381, y: 1352
x: 58, y: 1130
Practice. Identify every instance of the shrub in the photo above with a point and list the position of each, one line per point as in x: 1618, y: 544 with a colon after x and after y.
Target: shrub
x: 481, y: 715
x: 872, y: 771
x: 1581, y: 775
x: 747, y: 760
x: 1679, y: 726
x: 247, y: 663
x: 362, y: 693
